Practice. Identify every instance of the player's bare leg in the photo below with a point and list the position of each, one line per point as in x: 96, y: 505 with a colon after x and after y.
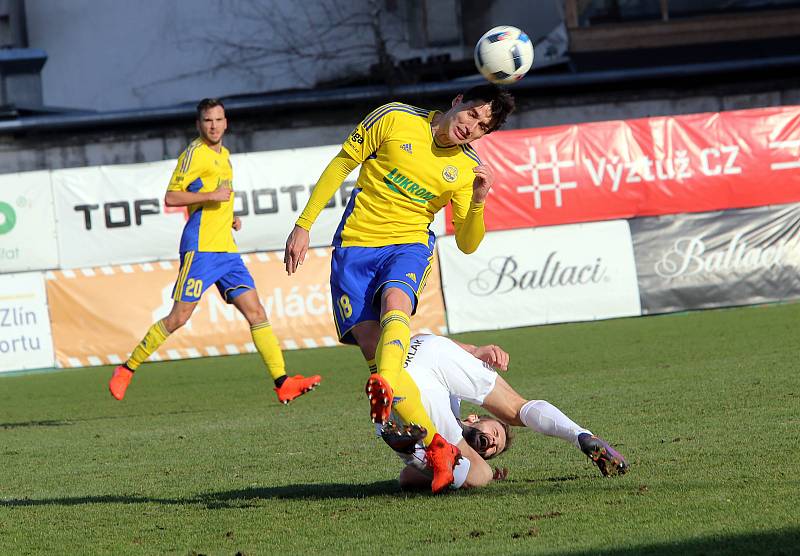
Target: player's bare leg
x: 543, y: 417
x: 286, y: 387
x: 156, y: 335
x: 504, y: 403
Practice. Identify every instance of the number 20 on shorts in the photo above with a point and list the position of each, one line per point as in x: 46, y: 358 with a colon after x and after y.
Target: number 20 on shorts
x: 193, y: 287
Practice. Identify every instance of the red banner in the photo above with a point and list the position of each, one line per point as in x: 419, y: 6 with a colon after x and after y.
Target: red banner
x: 645, y: 167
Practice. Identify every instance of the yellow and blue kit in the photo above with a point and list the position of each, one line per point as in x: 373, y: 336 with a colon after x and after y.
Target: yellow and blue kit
x: 384, y: 237
x: 208, y: 251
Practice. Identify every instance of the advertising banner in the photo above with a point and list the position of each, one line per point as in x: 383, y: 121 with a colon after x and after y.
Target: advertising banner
x: 719, y: 259
x: 27, y: 223
x: 25, y: 339
x: 100, y: 314
x: 116, y: 214
x: 540, y: 276
x: 644, y: 167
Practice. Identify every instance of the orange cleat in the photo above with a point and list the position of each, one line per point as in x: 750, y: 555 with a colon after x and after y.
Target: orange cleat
x: 380, y: 397
x: 295, y: 386
x: 119, y: 381
x: 441, y: 457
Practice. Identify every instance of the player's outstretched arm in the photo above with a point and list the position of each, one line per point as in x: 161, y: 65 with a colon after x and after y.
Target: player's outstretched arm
x: 296, y: 249
x: 329, y: 182
x: 491, y: 354
x: 186, y: 198
x: 480, y: 473
x: 494, y: 355
x: 470, y: 232
x: 412, y: 478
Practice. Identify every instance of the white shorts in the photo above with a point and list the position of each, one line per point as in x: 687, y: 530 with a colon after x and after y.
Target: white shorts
x: 445, y: 374
x: 460, y: 373
x: 442, y: 370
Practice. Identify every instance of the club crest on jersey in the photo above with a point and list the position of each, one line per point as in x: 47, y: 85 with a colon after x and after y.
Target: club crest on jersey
x: 406, y: 147
x: 398, y: 183
x: 450, y: 173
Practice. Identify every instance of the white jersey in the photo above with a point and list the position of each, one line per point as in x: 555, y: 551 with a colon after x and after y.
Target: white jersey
x: 445, y: 374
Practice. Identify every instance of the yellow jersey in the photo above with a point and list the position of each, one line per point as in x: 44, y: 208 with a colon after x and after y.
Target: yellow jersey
x: 405, y: 178
x: 201, y: 169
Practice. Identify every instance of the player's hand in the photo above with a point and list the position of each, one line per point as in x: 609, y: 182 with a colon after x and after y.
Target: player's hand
x: 493, y: 355
x: 500, y: 474
x: 237, y: 223
x: 483, y: 182
x: 220, y: 194
x: 296, y: 249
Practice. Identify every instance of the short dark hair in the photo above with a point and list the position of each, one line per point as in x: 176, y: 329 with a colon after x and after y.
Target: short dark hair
x: 207, y: 104
x: 501, y: 101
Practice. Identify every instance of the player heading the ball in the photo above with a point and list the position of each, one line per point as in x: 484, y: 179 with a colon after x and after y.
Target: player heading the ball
x: 414, y: 161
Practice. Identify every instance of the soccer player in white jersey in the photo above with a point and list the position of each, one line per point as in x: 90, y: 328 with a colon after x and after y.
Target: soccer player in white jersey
x: 447, y: 372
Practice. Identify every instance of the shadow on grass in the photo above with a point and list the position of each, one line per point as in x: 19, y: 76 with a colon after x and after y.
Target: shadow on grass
x: 298, y: 492
x: 25, y: 424
x: 230, y: 498
x: 778, y: 542
x: 67, y: 422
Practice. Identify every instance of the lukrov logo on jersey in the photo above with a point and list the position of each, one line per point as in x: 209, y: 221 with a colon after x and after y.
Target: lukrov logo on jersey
x: 717, y: 259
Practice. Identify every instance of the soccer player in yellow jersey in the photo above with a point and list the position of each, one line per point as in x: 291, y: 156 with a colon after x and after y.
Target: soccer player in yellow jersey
x: 203, y: 182
x: 413, y: 163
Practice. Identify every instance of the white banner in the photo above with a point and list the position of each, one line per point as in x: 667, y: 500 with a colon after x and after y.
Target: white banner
x: 27, y: 223
x: 116, y: 214
x: 539, y: 276
x: 25, y: 337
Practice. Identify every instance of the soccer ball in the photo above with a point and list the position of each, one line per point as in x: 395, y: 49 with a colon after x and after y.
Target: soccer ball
x: 504, y: 54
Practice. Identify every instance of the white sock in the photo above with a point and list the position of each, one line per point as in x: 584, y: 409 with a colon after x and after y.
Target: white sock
x: 546, y: 418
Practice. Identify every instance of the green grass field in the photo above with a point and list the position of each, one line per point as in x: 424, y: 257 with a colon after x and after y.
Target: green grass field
x: 201, y: 459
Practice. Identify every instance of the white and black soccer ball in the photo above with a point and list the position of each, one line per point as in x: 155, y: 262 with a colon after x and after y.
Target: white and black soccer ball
x: 504, y: 54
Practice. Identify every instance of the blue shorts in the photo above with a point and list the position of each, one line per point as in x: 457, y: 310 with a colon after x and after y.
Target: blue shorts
x: 200, y: 269
x: 359, y: 275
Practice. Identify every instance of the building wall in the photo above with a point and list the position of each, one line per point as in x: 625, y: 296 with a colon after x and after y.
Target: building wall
x: 125, y: 55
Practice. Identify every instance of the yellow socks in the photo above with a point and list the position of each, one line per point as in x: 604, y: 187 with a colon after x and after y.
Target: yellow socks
x: 391, y: 355
x: 155, y: 336
x: 393, y: 345
x: 373, y: 367
x: 267, y: 345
